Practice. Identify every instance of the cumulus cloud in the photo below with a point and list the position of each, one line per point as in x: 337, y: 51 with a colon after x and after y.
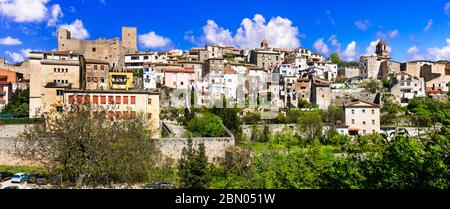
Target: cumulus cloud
x: 154, y: 41
x: 20, y: 56
x: 388, y: 35
x: 414, y: 53
x: 442, y: 53
x: 77, y: 29
x: 29, y: 10
x: 213, y: 34
x: 9, y: 41
x: 433, y: 53
x: 56, y: 13
x: 350, y: 53
x: 363, y: 25
x: 428, y: 26
x: 321, y: 46
x: 279, y: 32
x: 370, y: 50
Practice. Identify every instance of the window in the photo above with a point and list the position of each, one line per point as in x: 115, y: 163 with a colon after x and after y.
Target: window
x: 182, y: 83
x: 103, y: 99
x: 125, y: 100
x: 353, y: 121
x: 149, y: 101
x: 134, y: 58
x: 149, y: 116
x: 373, y: 112
x: 364, y: 122
x: 353, y: 112
x: 133, y: 115
x: 118, y: 114
x: 67, y: 70
x: 94, y: 49
x: 133, y: 100
x: 54, y: 70
x: 118, y: 99
x: 145, y: 57
x: 373, y: 122
x: 95, y: 100
x: 87, y: 99
x: 59, y: 92
x: 364, y: 110
x: 373, y: 131
x: 95, y: 67
x: 71, y: 99
x: 79, y: 99
x: 102, y: 67
x: 110, y: 99
x: 364, y: 132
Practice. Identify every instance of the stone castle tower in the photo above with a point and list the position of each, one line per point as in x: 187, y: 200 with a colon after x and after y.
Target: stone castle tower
x: 129, y: 39
x: 382, y: 50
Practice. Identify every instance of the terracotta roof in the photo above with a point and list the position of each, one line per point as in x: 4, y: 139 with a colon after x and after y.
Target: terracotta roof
x: 229, y: 71
x: 179, y: 70
x: 361, y: 104
x: 433, y: 91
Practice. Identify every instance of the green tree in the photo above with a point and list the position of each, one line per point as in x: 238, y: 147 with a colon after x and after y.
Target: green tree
x: 206, y: 125
x: 82, y: 150
x: 311, y: 125
x: 19, y: 104
x: 193, y: 167
x: 373, y: 86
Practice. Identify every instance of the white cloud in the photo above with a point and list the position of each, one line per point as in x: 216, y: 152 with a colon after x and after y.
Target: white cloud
x: 442, y: 53
x: 447, y: 8
x: 434, y: 53
x: 10, y: 41
x: 388, y: 35
x: 15, y: 57
x: 56, y: 13
x: 321, y: 46
x: 372, y: 47
x: 429, y: 25
x: 24, y: 10
x: 30, y: 11
x: 414, y: 53
x: 335, y: 43
x: 363, y: 25
x: 279, y: 32
x: 20, y: 56
x: 213, y: 34
x: 77, y: 29
x: 350, y: 53
x: 154, y: 41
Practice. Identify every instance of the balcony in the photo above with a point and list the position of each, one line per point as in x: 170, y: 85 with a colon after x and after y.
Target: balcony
x: 58, y: 85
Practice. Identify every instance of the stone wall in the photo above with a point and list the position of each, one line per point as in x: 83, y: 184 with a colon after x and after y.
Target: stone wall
x: 214, y: 147
x: 12, y: 131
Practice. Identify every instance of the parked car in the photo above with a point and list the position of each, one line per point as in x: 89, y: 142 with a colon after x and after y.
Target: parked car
x: 160, y: 185
x: 5, y: 176
x: 41, y: 180
x: 32, y: 178
x: 11, y: 187
x: 19, y: 178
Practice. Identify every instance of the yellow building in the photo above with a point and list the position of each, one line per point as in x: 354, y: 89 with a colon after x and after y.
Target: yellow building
x: 120, y: 80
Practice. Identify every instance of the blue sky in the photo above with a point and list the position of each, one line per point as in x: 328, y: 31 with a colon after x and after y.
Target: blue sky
x: 413, y: 29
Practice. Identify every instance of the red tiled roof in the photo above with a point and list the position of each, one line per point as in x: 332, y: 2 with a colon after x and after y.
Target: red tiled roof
x: 229, y: 71
x: 179, y: 70
x: 354, y: 104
